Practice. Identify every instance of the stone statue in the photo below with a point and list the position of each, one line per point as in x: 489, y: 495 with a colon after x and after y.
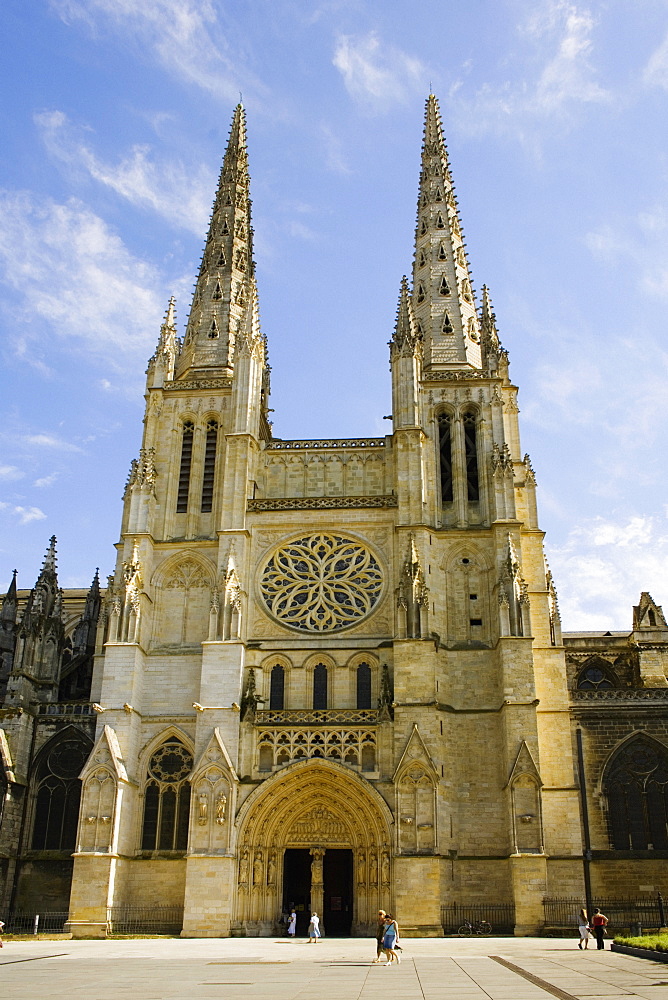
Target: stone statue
x: 221, y: 803
x: 243, y: 868
x: 385, y: 868
x: 271, y: 870
x: 258, y: 869
x: 373, y: 870
x: 202, y: 809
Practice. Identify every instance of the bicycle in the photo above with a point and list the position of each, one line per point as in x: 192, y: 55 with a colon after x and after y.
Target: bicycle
x: 477, y: 927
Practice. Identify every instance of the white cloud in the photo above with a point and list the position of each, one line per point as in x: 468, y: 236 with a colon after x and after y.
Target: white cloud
x: 558, y: 33
x: 46, y: 480
x: 74, y: 276
x: 179, y: 194
x: 656, y: 70
x: 50, y: 441
x: 639, y: 240
x: 10, y: 472
x: 603, y: 567
x: 183, y: 36
x: 24, y: 514
x: 376, y: 74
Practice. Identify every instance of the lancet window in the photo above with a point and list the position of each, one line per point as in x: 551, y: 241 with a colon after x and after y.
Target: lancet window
x: 167, y: 798
x: 57, y: 792
x: 636, y: 788
x: 445, y: 451
x: 471, y: 456
x: 209, y: 465
x: 320, y: 686
x: 277, y: 688
x: 363, y: 685
x: 185, y: 467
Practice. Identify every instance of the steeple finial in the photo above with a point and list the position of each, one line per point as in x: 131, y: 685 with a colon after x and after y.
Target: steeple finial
x: 49, y: 564
x: 227, y: 265
x: 10, y: 602
x: 442, y: 293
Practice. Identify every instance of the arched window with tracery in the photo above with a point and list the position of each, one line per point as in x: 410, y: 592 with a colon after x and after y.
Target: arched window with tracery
x: 596, y: 675
x: 277, y: 687
x: 635, y: 785
x: 364, y: 686
x: 320, y: 686
x: 167, y: 798
x: 445, y: 456
x: 57, y: 793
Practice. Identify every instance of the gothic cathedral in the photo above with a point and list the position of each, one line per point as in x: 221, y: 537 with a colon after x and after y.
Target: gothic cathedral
x: 327, y: 673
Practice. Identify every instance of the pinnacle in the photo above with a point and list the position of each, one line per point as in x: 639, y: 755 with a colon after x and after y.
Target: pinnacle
x: 49, y: 564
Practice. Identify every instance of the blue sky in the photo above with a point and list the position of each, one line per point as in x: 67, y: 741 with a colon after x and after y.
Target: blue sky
x: 114, y: 116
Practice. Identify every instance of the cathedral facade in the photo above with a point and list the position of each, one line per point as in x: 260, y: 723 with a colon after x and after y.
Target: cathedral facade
x: 328, y: 673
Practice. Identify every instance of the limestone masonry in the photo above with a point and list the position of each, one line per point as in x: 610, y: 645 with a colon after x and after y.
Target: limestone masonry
x: 327, y: 673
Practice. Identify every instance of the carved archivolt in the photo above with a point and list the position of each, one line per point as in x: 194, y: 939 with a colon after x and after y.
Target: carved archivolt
x: 315, y: 802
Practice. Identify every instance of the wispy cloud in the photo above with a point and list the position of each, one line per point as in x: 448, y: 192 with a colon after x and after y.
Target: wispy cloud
x: 376, y: 74
x: 185, y: 37
x: 640, y: 241
x: 10, y: 472
x: 50, y: 441
x: 46, y: 481
x: 74, y: 276
x: 604, y: 566
x: 656, y: 70
x: 180, y: 194
x: 24, y: 514
x: 559, y: 36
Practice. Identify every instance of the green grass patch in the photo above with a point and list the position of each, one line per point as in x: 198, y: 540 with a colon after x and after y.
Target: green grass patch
x: 653, y: 942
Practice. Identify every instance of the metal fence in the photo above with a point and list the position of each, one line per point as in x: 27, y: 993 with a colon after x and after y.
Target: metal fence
x: 500, y: 915
x: 562, y: 912
x: 145, y: 919
x: 50, y: 922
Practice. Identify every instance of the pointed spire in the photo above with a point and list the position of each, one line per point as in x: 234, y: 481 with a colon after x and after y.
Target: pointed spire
x: 442, y: 292
x: 161, y: 364
x: 227, y: 265
x: 10, y: 603
x: 49, y: 568
x: 406, y: 334
x: 491, y: 345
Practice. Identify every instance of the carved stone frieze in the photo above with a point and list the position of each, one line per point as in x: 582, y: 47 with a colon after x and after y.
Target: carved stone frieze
x: 319, y: 503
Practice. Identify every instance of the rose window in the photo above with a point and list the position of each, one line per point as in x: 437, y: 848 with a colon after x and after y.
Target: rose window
x: 321, y: 583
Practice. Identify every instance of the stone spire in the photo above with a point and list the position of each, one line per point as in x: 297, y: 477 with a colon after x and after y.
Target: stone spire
x: 406, y: 336
x: 442, y: 293
x: 161, y: 364
x: 10, y: 603
x: 227, y: 267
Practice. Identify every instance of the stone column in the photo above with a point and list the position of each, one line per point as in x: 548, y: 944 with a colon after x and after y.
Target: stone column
x: 317, y: 886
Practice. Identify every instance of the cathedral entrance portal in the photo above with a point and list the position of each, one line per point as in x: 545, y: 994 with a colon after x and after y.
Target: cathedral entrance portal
x: 315, y: 834
x: 297, y: 885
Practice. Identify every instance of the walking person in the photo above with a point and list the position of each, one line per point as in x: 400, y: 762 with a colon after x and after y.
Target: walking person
x: 380, y: 934
x: 583, y: 929
x: 292, y: 924
x: 390, y: 940
x: 599, y: 923
x: 314, y: 929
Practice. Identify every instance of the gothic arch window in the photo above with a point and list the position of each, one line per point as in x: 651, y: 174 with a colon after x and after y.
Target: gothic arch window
x: 320, y: 686
x: 57, y: 793
x: 447, y: 324
x: 167, y: 797
x: 213, y: 330
x: 635, y: 785
x: 277, y: 687
x: 471, y: 456
x: 596, y: 675
x: 185, y: 467
x: 444, y: 288
x: 363, y: 679
x: 445, y: 456
x: 209, y: 465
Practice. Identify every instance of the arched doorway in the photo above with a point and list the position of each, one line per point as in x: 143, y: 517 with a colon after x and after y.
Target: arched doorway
x: 315, y: 834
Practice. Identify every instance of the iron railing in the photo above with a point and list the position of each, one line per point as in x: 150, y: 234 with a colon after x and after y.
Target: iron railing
x: 126, y: 919
x: 500, y: 915
x: 66, y: 708
x: 621, y: 913
x: 49, y: 922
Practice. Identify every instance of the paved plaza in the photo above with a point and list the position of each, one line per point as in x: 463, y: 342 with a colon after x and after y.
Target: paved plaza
x: 334, y: 969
